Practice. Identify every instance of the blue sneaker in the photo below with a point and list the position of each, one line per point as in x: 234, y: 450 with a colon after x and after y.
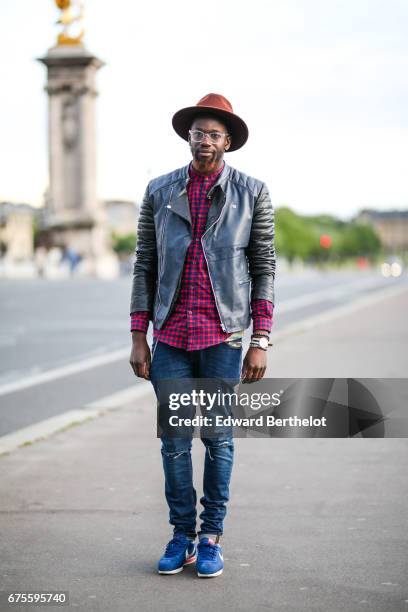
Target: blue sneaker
x: 180, y: 551
x: 210, y: 562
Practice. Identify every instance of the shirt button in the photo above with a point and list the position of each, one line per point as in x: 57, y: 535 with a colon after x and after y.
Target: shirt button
x: 189, y: 312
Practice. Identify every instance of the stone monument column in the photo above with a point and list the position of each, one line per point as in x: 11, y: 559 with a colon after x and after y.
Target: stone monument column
x: 74, y: 217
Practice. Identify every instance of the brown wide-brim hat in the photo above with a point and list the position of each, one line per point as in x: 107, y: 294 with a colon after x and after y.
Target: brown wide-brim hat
x: 216, y: 105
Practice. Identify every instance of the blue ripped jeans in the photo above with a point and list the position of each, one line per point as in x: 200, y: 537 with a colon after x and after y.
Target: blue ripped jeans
x: 219, y: 361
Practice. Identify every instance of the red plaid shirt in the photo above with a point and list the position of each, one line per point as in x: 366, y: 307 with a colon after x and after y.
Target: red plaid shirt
x: 194, y: 322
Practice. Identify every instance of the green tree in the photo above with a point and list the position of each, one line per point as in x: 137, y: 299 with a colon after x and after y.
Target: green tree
x: 123, y: 244
x: 299, y: 236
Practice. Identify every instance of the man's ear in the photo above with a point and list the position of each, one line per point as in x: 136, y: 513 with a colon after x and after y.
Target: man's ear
x: 228, y: 143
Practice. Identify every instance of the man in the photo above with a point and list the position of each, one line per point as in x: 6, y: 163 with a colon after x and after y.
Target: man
x: 205, y: 262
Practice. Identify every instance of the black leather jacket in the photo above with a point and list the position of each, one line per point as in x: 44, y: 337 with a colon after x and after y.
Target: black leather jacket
x: 238, y: 244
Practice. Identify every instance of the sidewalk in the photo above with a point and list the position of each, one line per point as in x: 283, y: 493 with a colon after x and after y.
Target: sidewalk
x: 367, y: 342
x: 314, y: 524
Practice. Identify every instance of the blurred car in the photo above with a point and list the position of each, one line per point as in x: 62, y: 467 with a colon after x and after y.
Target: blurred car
x: 392, y: 267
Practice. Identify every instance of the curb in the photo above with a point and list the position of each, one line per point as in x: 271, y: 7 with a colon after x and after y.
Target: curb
x: 48, y: 427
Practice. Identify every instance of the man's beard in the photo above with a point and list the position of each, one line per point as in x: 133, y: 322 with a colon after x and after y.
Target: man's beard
x: 211, y: 160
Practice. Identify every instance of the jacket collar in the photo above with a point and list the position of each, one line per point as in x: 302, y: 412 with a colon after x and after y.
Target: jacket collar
x: 220, y: 180
x: 179, y: 200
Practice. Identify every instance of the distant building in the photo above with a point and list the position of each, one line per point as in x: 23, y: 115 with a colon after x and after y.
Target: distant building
x: 17, y: 231
x: 391, y: 227
x: 122, y: 216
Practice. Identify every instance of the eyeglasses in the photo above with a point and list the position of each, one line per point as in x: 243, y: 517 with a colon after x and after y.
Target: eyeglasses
x: 198, y: 136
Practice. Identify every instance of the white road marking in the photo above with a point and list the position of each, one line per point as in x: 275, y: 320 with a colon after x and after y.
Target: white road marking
x: 327, y: 294
x: 125, y: 396
x: 61, y: 372
x: 286, y: 306
x: 334, y: 313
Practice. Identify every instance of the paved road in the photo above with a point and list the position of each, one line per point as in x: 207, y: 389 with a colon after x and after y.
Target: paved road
x: 47, y: 326
x: 314, y: 525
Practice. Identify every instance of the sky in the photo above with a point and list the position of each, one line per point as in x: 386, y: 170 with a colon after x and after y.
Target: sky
x: 321, y: 84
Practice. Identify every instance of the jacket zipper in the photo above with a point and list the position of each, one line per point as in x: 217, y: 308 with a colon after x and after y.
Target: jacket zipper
x: 180, y: 276
x: 161, y: 244
x: 209, y: 274
x: 175, y: 296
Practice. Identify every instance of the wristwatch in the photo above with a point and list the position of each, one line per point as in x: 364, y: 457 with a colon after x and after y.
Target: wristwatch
x: 259, y: 342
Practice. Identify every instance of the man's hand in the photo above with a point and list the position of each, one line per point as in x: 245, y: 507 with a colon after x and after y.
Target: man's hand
x: 140, y: 357
x: 254, y: 365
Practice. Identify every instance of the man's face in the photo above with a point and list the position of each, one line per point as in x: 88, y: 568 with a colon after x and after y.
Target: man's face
x: 208, y: 154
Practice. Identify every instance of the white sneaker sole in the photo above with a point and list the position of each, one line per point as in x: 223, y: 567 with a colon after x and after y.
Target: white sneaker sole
x: 210, y: 575
x: 179, y: 569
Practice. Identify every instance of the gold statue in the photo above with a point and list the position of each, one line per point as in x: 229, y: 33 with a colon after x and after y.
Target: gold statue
x: 67, y: 19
